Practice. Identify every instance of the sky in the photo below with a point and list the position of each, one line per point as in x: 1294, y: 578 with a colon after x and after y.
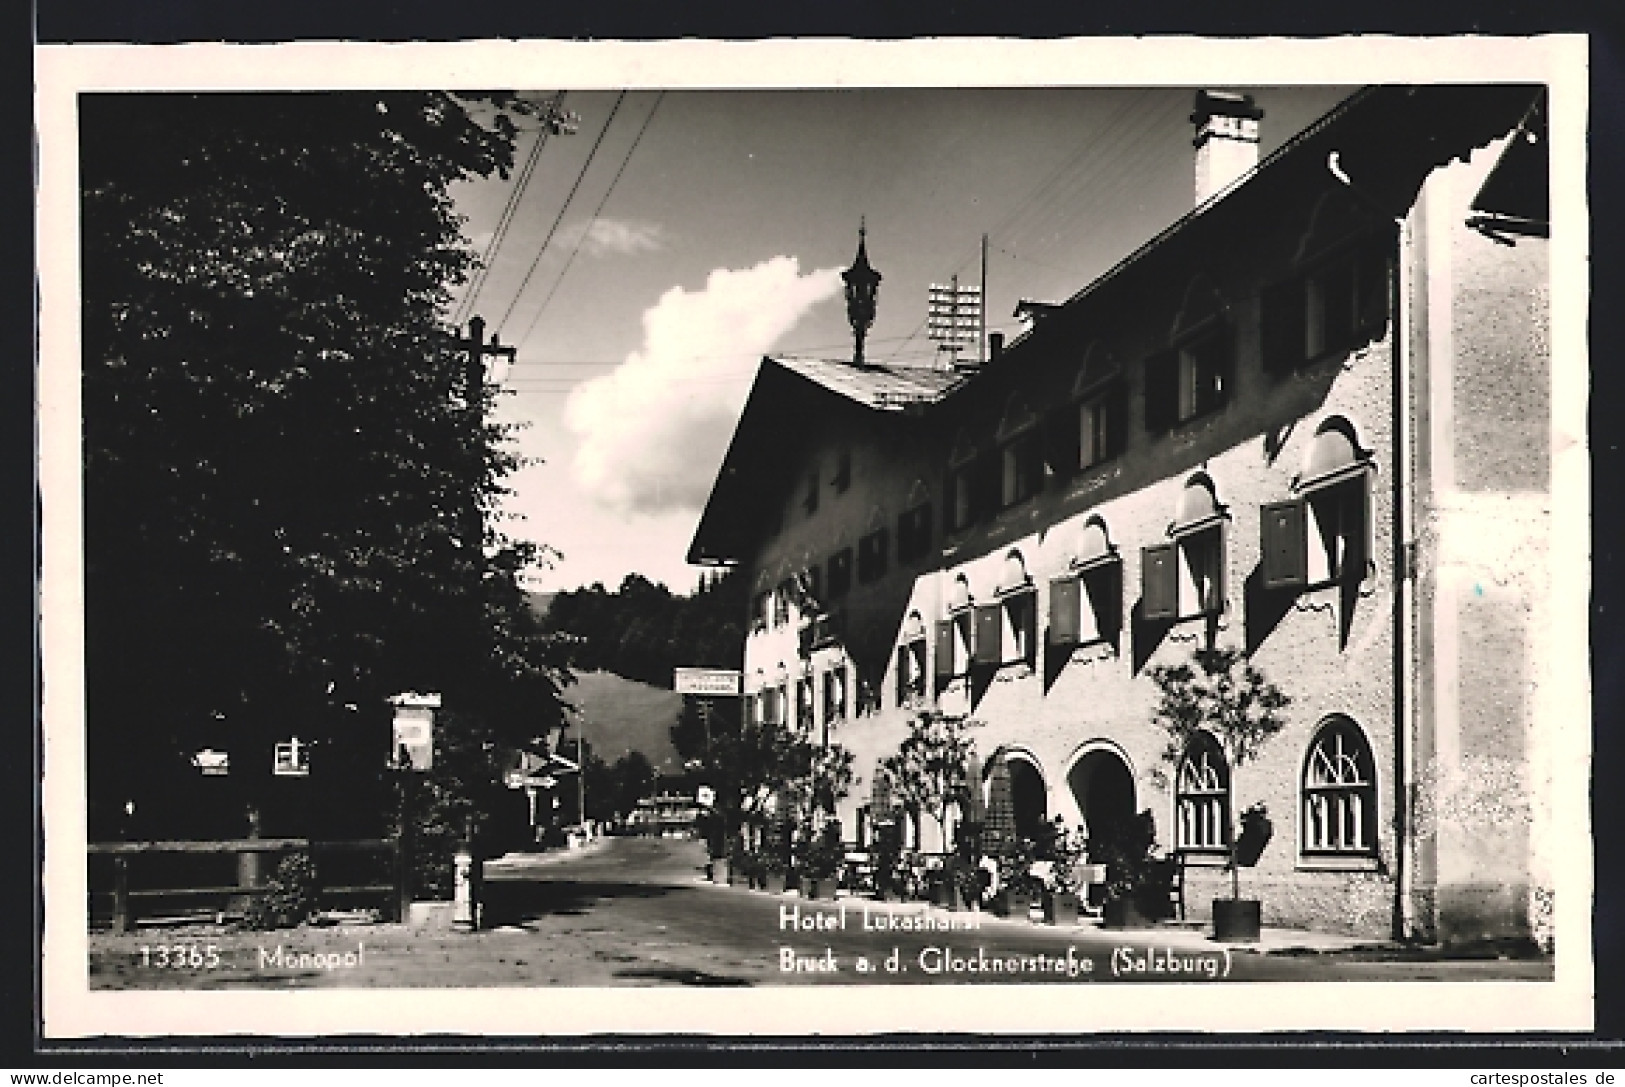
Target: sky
x: 657, y: 253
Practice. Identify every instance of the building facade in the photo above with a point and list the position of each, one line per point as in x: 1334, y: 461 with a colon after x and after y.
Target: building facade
x: 1309, y: 421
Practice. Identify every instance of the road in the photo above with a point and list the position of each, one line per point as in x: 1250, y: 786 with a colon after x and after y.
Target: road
x: 637, y: 912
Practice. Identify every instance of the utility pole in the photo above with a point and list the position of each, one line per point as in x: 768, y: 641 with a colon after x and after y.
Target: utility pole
x: 981, y: 311
x: 476, y: 352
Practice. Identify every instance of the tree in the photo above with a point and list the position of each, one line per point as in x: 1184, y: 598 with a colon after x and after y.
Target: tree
x: 1227, y: 697
x: 635, y: 780
x: 283, y: 476
x: 930, y: 771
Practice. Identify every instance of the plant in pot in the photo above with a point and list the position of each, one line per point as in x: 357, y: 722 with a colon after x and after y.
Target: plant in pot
x: 1064, y: 851
x: 886, y: 852
x: 929, y: 775
x: 1136, y: 892
x: 739, y: 866
x: 822, y: 862
x: 1226, y: 697
x: 1019, y: 887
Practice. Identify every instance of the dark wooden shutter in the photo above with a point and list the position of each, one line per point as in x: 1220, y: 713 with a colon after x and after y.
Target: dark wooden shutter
x: 945, y: 649
x: 986, y: 647
x: 1064, y: 600
x: 1215, y: 355
x: 1284, y: 545
x: 1371, y: 315
x: 1159, y: 582
x: 1162, y: 390
x: 1282, y: 325
x: 1028, y: 615
x: 902, y: 674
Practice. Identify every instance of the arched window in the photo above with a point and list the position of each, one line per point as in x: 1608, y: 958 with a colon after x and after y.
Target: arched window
x: 1184, y: 579
x: 1339, y: 791
x: 1202, y: 797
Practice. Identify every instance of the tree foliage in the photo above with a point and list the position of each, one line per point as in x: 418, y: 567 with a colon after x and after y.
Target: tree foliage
x: 643, y: 631
x: 930, y: 772
x: 281, y: 470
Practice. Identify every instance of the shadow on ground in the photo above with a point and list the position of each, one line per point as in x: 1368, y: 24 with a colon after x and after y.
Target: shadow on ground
x: 682, y: 976
x: 509, y: 902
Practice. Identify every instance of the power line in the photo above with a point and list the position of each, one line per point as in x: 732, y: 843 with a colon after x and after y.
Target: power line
x: 505, y: 220
x: 594, y: 218
x: 563, y: 208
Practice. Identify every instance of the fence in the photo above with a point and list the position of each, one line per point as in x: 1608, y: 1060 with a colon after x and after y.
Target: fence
x: 125, y: 856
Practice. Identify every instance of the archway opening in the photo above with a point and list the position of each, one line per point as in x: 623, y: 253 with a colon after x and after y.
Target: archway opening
x: 1027, y: 803
x: 1103, y: 787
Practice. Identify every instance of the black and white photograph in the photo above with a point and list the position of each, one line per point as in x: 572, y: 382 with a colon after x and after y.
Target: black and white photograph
x: 761, y: 537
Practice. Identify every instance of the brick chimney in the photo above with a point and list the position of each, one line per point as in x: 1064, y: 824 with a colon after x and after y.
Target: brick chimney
x: 1226, y: 139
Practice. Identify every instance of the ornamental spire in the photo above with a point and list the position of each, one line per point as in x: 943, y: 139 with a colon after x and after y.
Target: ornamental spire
x: 862, y: 286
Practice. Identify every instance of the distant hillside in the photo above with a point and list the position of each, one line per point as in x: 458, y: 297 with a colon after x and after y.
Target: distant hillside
x: 622, y: 715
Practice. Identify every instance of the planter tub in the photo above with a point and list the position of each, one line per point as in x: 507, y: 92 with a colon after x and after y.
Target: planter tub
x: 1123, y: 913
x: 773, y: 883
x: 944, y: 895
x: 1237, y: 919
x: 811, y: 888
x: 1061, y: 909
x: 1019, y: 907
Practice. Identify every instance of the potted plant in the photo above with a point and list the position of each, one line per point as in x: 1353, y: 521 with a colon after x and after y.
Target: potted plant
x: 775, y: 873
x: 1019, y: 887
x: 1227, y: 697
x: 886, y: 853
x: 823, y: 856
x: 738, y: 861
x: 929, y: 776
x: 1135, y: 898
x: 1064, y: 852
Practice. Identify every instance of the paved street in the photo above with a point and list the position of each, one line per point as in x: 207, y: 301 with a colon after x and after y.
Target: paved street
x: 636, y: 912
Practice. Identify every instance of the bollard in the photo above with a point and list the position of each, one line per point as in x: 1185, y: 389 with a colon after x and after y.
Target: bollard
x: 465, y: 911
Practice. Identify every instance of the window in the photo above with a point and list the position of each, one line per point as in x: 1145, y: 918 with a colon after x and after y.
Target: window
x: 810, y: 503
x: 804, y: 702
x: 1338, y: 304
x: 1185, y: 579
x: 914, y: 533
x: 835, y: 695
x: 1202, y: 797
x: 840, y: 573
x: 1018, y: 615
x: 1022, y: 464
x: 954, y: 633
x: 1098, y: 426
x: 1339, y: 792
x: 911, y: 670
x: 961, y: 505
x: 843, y: 472
x: 872, y: 556
x: 1087, y: 606
x: 971, y: 489
x: 1322, y: 536
x: 1188, y: 380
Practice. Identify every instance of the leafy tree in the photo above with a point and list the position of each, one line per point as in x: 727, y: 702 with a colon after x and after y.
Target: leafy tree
x: 930, y: 771
x: 642, y: 631
x: 635, y: 779
x: 284, y: 480
x: 1226, y: 696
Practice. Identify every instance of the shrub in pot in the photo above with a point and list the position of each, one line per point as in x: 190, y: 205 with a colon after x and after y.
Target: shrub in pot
x: 886, y: 853
x: 1133, y: 890
x: 821, y: 862
x: 1064, y: 852
x: 1019, y: 888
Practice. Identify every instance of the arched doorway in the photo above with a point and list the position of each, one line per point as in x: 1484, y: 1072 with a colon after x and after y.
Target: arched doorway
x: 1103, y: 787
x: 1017, y: 801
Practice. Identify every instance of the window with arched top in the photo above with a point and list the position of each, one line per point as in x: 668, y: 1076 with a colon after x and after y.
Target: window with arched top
x: 1202, y: 797
x: 1321, y: 536
x: 914, y: 525
x: 911, y: 660
x: 953, y: 638
x: 1335, y: 299
x: 1193, y: 375
x: 1339, y: 792
x: 1006, y: 632
x: 1021, y: 453
x: 1086, y: 605
x: 1184, y: 579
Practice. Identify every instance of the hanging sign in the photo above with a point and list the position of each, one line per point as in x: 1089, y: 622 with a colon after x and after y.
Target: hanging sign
x: 707, y: 681
x: 412, y: 741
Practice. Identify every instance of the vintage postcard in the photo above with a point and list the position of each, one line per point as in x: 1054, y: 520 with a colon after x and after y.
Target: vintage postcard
x: 767, y: 536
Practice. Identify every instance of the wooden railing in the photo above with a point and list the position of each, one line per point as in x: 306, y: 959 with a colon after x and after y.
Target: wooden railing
x: 395, y: 894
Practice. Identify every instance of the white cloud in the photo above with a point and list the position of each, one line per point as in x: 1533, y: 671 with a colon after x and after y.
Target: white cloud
x: 600, y: 236
x: 652, y: 432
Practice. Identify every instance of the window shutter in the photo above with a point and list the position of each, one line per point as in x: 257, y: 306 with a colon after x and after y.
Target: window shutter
x: 1282, y: 331
x: 987, y: 482
x: 1029, y: 631
x: 1159, y: 582
x: 1284, y: 545
x: 1064, y: 600
x: 945, y: 649
x: 985, y: 646
x: 902, y: 674
x: 1162, y: 390
x: 1215, y: 355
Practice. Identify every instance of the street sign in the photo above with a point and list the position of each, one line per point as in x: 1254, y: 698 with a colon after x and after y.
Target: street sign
x: 212, y: 763
x: 707, y: 681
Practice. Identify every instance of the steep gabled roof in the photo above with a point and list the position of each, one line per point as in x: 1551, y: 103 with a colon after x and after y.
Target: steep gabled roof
x: 788, y: 400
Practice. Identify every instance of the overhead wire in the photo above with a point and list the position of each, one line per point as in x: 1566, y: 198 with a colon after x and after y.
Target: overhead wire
x: 500, y: 233
x: 627, y: 158
x: 541, y: 249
